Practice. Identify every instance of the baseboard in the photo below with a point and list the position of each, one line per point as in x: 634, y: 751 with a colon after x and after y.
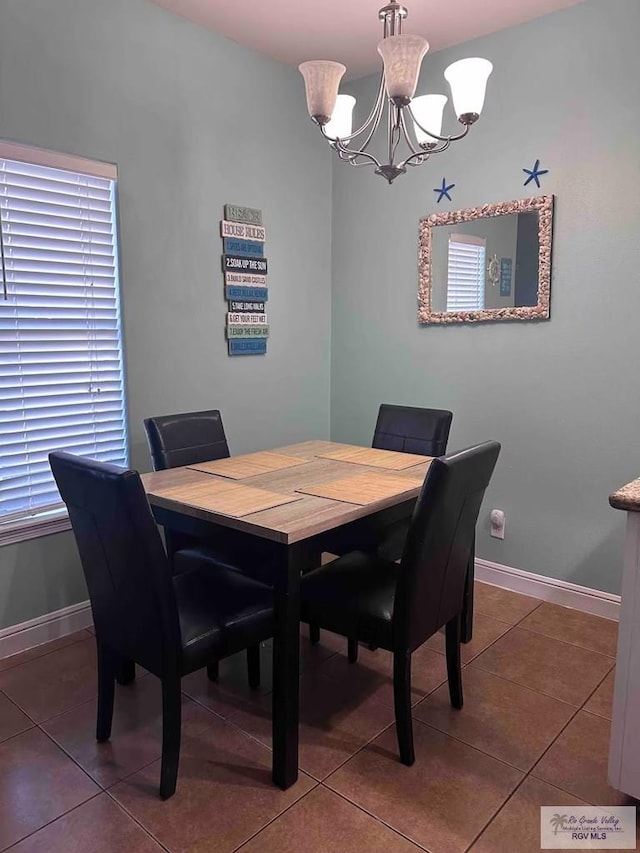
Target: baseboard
x: 51, y: 626
x: 572, y: 595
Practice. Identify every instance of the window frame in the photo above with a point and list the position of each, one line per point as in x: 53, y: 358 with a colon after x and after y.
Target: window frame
x: 48, y: 521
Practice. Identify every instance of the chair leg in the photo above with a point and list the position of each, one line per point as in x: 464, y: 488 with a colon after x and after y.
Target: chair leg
x: 314, y: 633
x: 352, y: 649
x: 213, y: 671
x: 125, y: 672
x: 171, y: 730
x: 402, y: 703
x: 106, y: 691
x: 253, y: 666
x: 466, y: 628
x: 454, y: 670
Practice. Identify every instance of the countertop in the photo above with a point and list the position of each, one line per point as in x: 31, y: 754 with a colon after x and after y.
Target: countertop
x: 627, y: 497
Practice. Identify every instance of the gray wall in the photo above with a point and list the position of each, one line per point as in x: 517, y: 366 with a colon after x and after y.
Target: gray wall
x: 561, y: 396
x: 193, y: 121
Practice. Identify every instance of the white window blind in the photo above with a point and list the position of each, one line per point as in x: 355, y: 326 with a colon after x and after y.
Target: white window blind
x: 61, y: 370
x: 466, y: 272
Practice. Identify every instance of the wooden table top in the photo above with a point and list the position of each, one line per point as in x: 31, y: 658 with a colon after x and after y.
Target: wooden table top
x: 290, y: 522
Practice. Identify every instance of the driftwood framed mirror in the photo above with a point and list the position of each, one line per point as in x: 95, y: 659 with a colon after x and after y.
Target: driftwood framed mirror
x: 486, y: 263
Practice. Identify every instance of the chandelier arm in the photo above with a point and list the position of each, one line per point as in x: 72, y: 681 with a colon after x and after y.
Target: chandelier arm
x: 372, y: 131
x: 435, y: 135
x: 407, y: 137
x: 374, y: 116
x: 391, y: 127
x: 352, y: 159
x: 354, y: 162
x: 352, y: 156
x: 421, y: 156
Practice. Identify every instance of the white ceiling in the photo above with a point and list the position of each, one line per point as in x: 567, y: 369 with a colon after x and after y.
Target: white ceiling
x: 348, y: 30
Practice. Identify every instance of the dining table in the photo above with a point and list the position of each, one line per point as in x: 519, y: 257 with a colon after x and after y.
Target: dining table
x: 284, y: 503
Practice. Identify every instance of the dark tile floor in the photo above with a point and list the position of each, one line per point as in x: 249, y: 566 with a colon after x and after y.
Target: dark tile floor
x: 534, y: 731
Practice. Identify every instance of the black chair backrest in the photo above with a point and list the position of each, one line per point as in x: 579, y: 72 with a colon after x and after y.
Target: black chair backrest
x: 125, y: 567
x: 412, y: 430
x: 439, y: 543
x: 186, y: 439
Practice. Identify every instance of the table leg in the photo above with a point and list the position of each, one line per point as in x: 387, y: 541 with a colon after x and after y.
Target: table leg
x: 286, y: 666
x: 467, y: 608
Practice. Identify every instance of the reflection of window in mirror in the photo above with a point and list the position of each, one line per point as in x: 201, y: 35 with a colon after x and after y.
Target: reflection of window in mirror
x: 466, y: 272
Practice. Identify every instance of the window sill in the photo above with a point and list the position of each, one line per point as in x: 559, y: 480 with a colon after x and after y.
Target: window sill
x: 33, y: 528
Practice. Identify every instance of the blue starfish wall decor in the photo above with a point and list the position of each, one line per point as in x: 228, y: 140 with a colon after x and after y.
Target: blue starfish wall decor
x: 534, y: 174
x: 444, y: 190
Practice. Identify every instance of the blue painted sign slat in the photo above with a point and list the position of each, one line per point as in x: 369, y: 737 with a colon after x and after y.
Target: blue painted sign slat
x: 250, y: 293
x: 250, y: 248
x: 247, y: 346
x: 238, y: 263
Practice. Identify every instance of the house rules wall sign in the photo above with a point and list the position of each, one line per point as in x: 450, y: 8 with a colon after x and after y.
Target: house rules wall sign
x: 245, y: 279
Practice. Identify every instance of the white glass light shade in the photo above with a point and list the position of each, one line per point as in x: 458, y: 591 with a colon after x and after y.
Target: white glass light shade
x: 321, y: 80
x: 402, y: 56
x: 341, y: 122
x: 468, y: 81
x: 428, y: 110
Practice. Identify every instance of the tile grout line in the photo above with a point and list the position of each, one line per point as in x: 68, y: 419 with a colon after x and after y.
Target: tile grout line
x: 20, y: 708
x: 278, y: 816
x: 53, y: 820
x: 566, y: 642
x: 131, y: 816
x: 497, y: 812
x: 375, y: 817
x: 488, y: 754
x: 573, y: 716
x: 541, y: 692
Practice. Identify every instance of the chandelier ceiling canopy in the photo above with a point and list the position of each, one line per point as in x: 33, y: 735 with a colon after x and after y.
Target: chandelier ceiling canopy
x: 414, y: 122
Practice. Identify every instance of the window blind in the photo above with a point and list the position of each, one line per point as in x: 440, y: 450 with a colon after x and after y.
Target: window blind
x: 61, y: 366
x: 466, y: 273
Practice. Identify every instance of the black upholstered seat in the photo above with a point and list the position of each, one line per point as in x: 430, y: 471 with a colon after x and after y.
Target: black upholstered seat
x: 399, y: 606
x: 171, y: 624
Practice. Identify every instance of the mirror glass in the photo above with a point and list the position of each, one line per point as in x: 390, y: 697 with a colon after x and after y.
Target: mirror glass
x: 488, y: 263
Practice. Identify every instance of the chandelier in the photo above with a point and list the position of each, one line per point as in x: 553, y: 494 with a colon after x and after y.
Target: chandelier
x: 414, y: 122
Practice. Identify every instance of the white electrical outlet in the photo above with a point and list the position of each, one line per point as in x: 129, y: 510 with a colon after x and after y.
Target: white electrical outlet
x: 497, y: 523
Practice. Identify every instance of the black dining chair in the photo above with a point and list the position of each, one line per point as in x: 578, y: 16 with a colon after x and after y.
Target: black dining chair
x: 398, y: 606
x: 186, y: 439
x: 171, y: 624
x: 407, y: 429
x: 412, y: 430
